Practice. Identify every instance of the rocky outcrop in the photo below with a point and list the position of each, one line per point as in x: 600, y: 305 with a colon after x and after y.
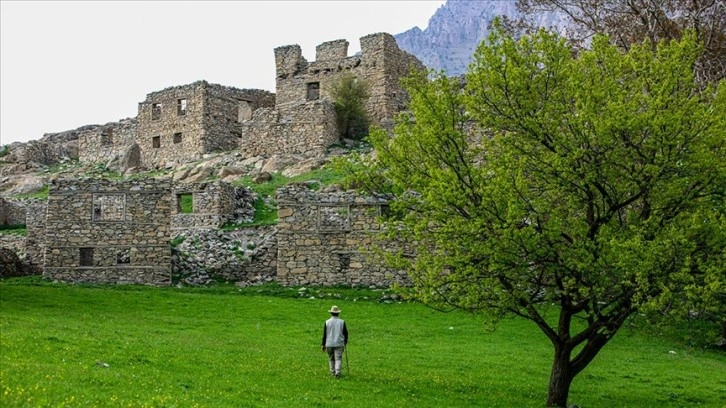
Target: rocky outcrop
x: 456, y: 29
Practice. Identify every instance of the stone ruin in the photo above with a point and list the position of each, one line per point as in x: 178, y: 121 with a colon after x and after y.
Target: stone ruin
x: 183, y: 123
x: 120, y: 232
x: 327, y: 238
x: 102, y: 231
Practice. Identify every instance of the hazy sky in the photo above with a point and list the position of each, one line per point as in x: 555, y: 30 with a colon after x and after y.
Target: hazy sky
x: 69, y: 64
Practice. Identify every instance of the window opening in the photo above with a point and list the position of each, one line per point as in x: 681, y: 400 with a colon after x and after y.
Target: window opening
x: 177, y: 138
x: 109, y: 207
x: 185, y: 203
x: 313, y: 91
x: 86, y: 256
x: 155, y: 111
x: 181, y: 107
x: 334, y: 218
x: 107, y: 137
x: 123, y: 256
x: 156, y: 142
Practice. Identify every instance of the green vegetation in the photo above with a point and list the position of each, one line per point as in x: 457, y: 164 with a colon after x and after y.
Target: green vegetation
x: 224, y: 346
x: 4, y: 150
x: 186, y: 203
x: 266, y: 207
x: 599, y: 189
x: 176, y: 241
x: 19, y: 229
x: 41, y: 194
x: 349, y: 95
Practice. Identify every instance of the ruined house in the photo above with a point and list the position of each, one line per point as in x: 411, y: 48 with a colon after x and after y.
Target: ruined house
x: 182, y: 123
x: 303, y: 120
x: 108, y: 232
x: 177, y: 124
x: 119, y: 232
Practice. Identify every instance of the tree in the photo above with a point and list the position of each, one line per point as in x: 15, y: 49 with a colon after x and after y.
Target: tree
x: 349, y: 96
x: 630, y: 22
x: 571, y: 189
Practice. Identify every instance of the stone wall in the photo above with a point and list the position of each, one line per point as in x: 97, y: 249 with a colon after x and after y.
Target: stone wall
x: 305, y: 128
x: 35, y: 224
x: 326, y: 239
x: 14, y: 242
x: 12, y: 212
x: 102, y: 143
x: 109, y: 232
x: 213, y: 205
x: 381, y: 64
x: 182, y: 123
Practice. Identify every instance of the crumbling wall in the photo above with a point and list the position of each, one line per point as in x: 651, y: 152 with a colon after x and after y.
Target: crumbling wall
x: 103, y: 231
x: 12, y: 212
x: 213, y: 204
x: 307, y: 129
x: 102, y: 143
x: 35, y: 226
x: 326, y: 239
x: 182, y: 123
x: 381, y: 64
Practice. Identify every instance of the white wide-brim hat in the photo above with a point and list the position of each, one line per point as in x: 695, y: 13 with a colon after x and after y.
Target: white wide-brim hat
x: 334, y: 309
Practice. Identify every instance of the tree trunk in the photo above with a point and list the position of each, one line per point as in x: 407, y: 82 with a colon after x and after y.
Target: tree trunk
x: 560, y: 378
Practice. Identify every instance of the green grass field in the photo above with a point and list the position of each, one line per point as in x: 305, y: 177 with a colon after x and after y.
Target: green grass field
x: 65, y: 345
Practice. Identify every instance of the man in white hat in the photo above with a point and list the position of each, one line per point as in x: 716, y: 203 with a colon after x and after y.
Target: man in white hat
x: 335, y: 338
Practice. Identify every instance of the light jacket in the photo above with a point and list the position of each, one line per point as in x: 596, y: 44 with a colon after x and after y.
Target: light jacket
x: 335, y: 334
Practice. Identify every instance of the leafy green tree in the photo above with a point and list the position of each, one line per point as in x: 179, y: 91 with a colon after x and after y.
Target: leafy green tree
x: 571, y: 189
x: 349, y: 95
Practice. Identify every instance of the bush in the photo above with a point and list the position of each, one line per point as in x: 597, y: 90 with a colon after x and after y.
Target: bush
x: 349, y: 96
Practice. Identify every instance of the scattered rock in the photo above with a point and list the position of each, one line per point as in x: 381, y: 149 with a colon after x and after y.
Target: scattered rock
x: 263, y: 177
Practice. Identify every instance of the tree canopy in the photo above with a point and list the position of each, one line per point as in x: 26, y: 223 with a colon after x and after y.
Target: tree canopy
x: 630, y: 22
x: 569, y: 188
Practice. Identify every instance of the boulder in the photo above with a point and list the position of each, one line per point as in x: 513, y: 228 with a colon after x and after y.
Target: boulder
x: 304, y: 167
x: 277, y: 163
x: 263, y: 177
x: 199, y: 175
x: 231, y: 171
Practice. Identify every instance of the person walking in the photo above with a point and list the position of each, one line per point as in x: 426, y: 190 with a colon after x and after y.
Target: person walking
x: 335, y: 338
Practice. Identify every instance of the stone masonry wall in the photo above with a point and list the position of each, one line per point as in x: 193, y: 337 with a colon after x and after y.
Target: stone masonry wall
x: 307, y: 128
x: 381, y: 64
x: 326, y: 239
x: 109, y: 232
x: 225, y: 108
x: 182, y: 123
x: 35, y: 224
x: 12, y: 212
x: 213, y: 205
x: 99, y: 144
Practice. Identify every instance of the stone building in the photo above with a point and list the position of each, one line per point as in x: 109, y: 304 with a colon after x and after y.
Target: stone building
x: 182, y: 123
x: 102, y: 143
x: 303, y: 120
x: 327, y: 239
x: 108, y: 232
x: 381, y: 64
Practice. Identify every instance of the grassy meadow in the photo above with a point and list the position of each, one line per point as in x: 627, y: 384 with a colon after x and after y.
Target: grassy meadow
x: 108, y: 346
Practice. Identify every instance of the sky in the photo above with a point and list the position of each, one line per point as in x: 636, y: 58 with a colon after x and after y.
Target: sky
x: 65, y: 64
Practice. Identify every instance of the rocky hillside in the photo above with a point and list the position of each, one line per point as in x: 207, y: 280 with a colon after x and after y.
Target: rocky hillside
x: 456, y: 29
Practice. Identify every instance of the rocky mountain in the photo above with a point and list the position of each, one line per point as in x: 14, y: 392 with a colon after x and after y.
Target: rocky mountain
x: 456, y: 29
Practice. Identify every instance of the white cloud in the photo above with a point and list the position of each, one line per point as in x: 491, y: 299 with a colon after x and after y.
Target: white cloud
x: 68, y: 64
